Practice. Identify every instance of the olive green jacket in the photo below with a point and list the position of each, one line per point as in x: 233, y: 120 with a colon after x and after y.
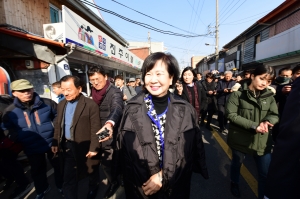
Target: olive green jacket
x: 245, y: 112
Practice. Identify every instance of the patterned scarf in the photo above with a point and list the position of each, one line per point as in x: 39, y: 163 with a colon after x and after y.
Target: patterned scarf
x: 197, y: 105
x: 158, y: 127
x: 98, y: 95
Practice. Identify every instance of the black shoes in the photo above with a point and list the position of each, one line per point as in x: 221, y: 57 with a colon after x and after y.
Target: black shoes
x: 113, y: 187
x: 235, y: 191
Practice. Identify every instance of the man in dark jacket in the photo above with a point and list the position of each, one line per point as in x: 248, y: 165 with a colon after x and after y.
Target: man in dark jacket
x: 224, y: 90
x: 287, y: 76
x: 284, y: 174
x: 128, y: 91
x: 75, y: 137
x: 29, y: 120
x: 10, y: 167
x: 110, y: 101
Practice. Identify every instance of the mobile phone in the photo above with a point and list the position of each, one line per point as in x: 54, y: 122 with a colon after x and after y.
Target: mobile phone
x: 103, y: 134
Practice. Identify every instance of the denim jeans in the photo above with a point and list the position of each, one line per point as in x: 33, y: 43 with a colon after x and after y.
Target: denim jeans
x: 262, y: 164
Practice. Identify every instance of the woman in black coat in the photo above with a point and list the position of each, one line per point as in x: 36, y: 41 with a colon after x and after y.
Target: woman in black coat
x: 192, y: 91
x: 159, y: 141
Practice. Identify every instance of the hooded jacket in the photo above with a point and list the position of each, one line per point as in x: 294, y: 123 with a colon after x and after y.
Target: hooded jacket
x: 183, y: 148
x: 245, y: 113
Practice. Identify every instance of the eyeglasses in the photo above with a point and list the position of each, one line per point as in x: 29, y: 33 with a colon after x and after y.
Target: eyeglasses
x: 92, y: 81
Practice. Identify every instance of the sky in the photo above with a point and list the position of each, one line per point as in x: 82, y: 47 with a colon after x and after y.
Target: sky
x: 187, y: 17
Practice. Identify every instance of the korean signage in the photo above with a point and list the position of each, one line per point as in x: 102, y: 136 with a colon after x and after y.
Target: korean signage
x: 230, y: 65
x: 80, y: 32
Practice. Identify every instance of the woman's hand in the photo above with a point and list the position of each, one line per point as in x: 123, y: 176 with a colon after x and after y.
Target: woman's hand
x: 264, y: 127
x: 153, y: 185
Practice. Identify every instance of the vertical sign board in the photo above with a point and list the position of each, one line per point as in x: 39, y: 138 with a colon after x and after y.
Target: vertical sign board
x: 80, y: 32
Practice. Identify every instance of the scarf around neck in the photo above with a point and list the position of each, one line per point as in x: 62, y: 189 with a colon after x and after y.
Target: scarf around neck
x: 195, y: 90
x: 98, y: 95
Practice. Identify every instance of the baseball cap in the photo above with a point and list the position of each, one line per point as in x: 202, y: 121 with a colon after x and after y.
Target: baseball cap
x: 132, y: 79
x: 20, y: 84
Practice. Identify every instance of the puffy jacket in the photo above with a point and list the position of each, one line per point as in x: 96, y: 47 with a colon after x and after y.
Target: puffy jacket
x: 183, y: 153
x: 111, y: 108
x: 245, y: 113
x: 31, y: 126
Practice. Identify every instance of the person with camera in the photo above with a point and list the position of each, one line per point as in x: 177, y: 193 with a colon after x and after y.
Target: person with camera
x: 75, y: 139
x: 110, y: 103
x: 209, y: 86
x: 252, y: 111
x: 159, y: 141
x: 224, y: 89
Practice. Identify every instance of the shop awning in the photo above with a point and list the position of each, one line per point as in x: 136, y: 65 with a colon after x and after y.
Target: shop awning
x: 30, y: 45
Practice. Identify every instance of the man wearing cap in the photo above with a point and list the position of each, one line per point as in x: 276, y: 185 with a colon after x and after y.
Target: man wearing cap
x: 128, y: 91
x: 29, y: 121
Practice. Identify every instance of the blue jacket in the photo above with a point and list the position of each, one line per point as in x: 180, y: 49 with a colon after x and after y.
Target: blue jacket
x: 32, y: 125
x: 222, y: 96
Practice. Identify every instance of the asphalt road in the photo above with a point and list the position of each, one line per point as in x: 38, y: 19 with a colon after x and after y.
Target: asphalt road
x: 217, y: 187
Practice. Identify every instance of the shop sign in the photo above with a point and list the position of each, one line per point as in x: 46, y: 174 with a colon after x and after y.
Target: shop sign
x: 80, y: 32
x: 230, y: 65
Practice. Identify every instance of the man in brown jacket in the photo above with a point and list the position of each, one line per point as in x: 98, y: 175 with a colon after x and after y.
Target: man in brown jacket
x: 75, y: 136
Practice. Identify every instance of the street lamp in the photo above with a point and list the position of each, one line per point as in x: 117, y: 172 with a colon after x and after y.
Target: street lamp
x: 216, y: 54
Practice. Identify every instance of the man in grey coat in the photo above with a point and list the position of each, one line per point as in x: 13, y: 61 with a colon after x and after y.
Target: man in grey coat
x: 128, y: 91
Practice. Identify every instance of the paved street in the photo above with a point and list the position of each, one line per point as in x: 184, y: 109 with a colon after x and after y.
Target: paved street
x: 218, y: 186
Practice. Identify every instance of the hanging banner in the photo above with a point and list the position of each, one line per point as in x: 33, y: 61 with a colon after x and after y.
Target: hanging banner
x: 80, y: 32
x: 230, y: 65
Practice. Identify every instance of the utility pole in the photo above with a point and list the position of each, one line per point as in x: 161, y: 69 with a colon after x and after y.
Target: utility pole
x: 149, y: 40
x: 217, y: 35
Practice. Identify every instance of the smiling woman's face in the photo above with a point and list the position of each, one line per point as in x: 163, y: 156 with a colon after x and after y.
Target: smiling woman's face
x: 158, y: 80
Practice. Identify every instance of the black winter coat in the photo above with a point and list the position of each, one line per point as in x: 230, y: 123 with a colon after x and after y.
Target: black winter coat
x: 111, y: 108
x: 283, y: 178
x: 223, y: 97
x: 213, y: 97
x: 201, y: 95
x: 183, y: 154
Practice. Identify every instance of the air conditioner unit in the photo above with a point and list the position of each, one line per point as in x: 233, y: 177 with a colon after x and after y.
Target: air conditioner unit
x: 29, y: 64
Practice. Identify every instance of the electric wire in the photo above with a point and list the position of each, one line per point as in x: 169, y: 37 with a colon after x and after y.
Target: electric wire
x: 152, y: 17
x: 234, y: 11
x: 139, y: 23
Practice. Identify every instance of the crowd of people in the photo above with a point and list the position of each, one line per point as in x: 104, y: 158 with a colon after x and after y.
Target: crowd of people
x: 147, y: 137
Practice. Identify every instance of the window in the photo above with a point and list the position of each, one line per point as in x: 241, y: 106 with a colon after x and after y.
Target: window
x: 55, y: 14
x: 256, y: 41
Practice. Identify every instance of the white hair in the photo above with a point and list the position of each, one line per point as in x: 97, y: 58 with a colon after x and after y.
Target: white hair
x: 228, y: 72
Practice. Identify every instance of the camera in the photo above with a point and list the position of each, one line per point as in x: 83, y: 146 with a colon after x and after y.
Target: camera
x: 103, y: 134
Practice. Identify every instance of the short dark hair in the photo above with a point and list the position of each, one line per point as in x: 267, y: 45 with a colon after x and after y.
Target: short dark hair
x: 210, y: 75
x: 199, y: 73
x: 168, y: 59
x: 76, y: 80
x: 96, y: 69
x: 264, y: 69
x: 56, y: 84
x: 295, y: 70
x: 188, y: 69
x: 283, y: 69
x: 247, y: 72
x: 119, y: 77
